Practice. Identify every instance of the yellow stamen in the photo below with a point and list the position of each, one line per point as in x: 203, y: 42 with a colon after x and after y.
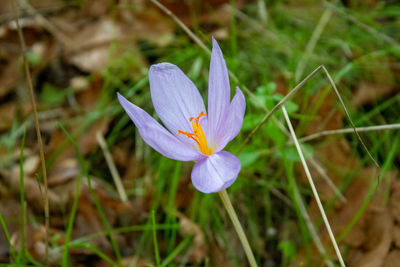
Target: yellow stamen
x: 198, y: 135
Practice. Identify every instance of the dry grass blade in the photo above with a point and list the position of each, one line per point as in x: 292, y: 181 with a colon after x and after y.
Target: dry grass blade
x: 313, y: 188
x: 314, y: 235
x: 348, y: 116
x: 277, y: 106
x: 292, y: 92
x: 37, y: 127
x: 327, y: 180
x: 394, y: 126
x: 323, y: 21
x: 111, y: 165
x: 238, y: 227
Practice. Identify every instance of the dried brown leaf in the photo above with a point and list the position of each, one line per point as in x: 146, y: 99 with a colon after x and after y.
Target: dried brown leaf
x: 9, y: 76
x: 371, y: 92
x: 392, y: 259
x: 199, y: 248
x: 7, y: 115
x: 395, y: 200
x: 379, y: 239
x: 396, y: 236
x: 95, y: 39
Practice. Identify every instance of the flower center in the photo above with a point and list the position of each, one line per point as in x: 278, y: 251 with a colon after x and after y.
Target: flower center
x: 198, y: 135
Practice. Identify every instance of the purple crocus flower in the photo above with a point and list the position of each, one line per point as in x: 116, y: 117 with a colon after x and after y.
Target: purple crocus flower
x: 190, y: 134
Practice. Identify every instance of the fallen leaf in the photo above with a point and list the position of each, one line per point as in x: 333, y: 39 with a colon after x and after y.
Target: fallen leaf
x: 199, y: 249
x: 11, y: 213
x: 7, y: 115
x: 368, y: 93
x: 9, y: 76
x: 396, y: 236
x: 94, y: 39
x: 219, y: 256
x: 379, y: 239
x: 392, y: 259
x: 395, y: 200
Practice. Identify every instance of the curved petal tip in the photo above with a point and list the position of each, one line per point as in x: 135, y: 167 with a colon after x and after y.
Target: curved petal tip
x: 215, y: 172
x: 164, y: 66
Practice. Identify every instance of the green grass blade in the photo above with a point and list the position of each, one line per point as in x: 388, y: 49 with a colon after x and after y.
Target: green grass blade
x: 71, y: 221
x: 171, y: 218
x: 95, y: 250
x: 176, y: 251
x: 5, y: 229
x: 156, y: 252
x: 94, y: 197
x: 21, y: 253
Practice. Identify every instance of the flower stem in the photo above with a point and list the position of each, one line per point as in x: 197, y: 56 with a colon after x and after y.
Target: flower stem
x: 238, y: 227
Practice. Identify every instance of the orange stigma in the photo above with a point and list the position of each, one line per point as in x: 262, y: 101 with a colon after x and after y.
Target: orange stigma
x: 198, y: 135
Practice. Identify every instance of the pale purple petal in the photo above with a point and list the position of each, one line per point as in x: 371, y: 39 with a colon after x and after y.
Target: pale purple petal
x: 218, y: 91
x: 233, y: 120
x: 175, y: 98
x: 215, y: 172
x: 157, y: 136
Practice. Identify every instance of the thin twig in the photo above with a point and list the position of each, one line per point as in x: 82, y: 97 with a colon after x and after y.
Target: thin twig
x: 111, y: 165
x: 374, y: 128
x: 38, y: 134
x: 238, y: 227
x: 313, y: 188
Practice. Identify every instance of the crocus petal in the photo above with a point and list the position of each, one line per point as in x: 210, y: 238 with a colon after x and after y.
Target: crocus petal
x: 218, y: 90
x: 233, y: 120
x: 175, y: 98
x: 157, y: 136
x: 215, y: 172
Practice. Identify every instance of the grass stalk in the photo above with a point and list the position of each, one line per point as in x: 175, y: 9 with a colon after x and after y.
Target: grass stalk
x: 171, y: 208
x: 176, y: 251
x: 277, y: 106
x: 21, y: 254
x: 5, y: 229
x: 348, y: 116
x: 313, y: 188
x: 238, y: 227
x: 96, y: 251
x: 93, y: 194
x: 156, y: 251
x: 374, y: 128
x: 113, y: 169
x: 71, y: 221
x: 38, y: 133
